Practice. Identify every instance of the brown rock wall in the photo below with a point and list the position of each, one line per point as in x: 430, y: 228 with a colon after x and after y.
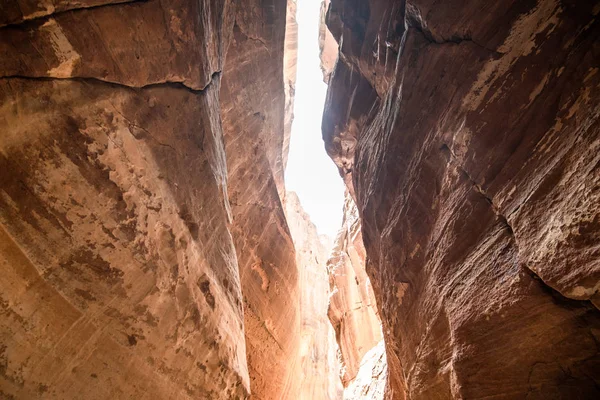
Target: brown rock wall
x: 115, y: 283
x: 118, y: 148
x: 134, y: 44
x: 475, y: 168
x: 253, y: 112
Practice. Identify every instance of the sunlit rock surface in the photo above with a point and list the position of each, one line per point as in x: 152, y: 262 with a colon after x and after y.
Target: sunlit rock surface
x: 469, y: 136
x: 319, y: 365
x: 371, y: 378
x: 140, y: 176
x: 119, y: 275
x: 328, y: 47
x: 352, y: 307
x: 290, y: 62
x: 253, y: 110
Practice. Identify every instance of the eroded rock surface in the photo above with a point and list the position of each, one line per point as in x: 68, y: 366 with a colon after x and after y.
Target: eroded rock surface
x: 328, y: 47
x: 140, y: 176
x: 371, y: 378
x: 319, y: 365
x: 119, y: 275
x: 469, y: 136
x: 352, y: 306
x: 253, y: 110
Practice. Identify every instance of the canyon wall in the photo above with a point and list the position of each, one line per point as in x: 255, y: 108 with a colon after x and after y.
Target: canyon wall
x: 371, y: 378
x: 290, y: 66
x: 253, y: 110
x: 119, y: 275
x: 352, y: 307
x: 319, y: 370
x: 468, y: 134
x: 328, y: 47
x: 145, y: 252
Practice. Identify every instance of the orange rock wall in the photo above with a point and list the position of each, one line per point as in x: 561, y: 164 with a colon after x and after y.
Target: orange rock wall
x: 319, y: 369
x: 253, y: 113
x: 352, y: 306
x: 119, y: 275
x: 145, y: 251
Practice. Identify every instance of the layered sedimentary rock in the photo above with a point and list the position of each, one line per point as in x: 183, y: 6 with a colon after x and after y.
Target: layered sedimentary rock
x: 319, y: 366
x: 469, y: 136
x: 119, y: 275
x: 328, y: 47
x: 352, y: 306
x: 253, y: 111
x: 371, y: 379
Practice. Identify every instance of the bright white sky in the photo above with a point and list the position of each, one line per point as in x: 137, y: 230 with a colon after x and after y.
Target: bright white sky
x: 310, y: 172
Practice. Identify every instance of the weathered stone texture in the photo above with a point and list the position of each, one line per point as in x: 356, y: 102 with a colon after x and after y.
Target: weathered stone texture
x: 319, y: 365
x: 328, y: 47
x: 253, y: 110
x: 469, y: 135
x: 352, y: 307
x: 119, y: 274
x: 134, y: 44
x: 371, y: 379
x: 120, y: 278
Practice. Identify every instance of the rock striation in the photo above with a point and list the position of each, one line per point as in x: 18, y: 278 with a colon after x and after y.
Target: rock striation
x: 319, y: 365
x: 352, y: 307
x: 119, y: 275
x: 144, y: 248
x: 469, y: 137
x: 328, y: 47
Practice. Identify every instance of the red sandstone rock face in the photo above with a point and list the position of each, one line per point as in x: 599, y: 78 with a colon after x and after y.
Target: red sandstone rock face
x: 471, y: 141
x: 253, y: 111
x: 319, y: 366
x: 352, y: 307
x: 120, y: 278
x: 103, y: 43
x: 16, y: 11
x: 371, y: 379
x: 120, y: 275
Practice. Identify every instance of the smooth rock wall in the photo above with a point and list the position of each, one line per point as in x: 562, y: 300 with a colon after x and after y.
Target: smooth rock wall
x: 145, y: 251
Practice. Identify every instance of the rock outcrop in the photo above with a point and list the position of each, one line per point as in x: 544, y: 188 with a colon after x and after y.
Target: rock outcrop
x: 328, y: 47
x: 319, y: 366
x: 144, y: 248
x: 119, y: 275
x: 352, y: 306
x: 469, y: 137
x: 371, y: 378
x: 253, y: 110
